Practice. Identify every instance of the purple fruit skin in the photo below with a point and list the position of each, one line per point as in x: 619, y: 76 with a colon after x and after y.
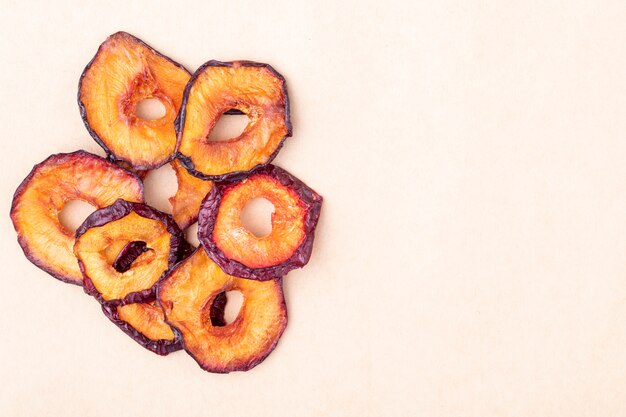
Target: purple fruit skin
x: 160, y: 347
x: 208, y: 214
x: 83, y: 112
x: 221, y: 370
x: 186, y: 249
x: 129, y: 253
x: 234, y: 112
x: 117, y: 210
x: 217, y: 310
x: 179, y: 122
x: 43, y: 264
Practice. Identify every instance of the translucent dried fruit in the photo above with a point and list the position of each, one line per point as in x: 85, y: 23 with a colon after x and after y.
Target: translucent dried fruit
x: 140, y: 173
x: 144, y: 322
x: 124, y: 72
x: 237, y: 250
x: 189, y: 195
x: 254, y: 89
x: 187, y: 294
x: 42, y: 195
x: 113, y: 237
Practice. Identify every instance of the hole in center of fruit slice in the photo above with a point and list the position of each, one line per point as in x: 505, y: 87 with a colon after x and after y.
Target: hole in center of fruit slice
x: 225, y: 308
x: 191, y: 234
x: 159, y: 185
x: 129, y: 254
x: 256, y: 217
x: 228, y: 126
x: 150, y: 109
x: 74, y: 214
x: 234, y: 301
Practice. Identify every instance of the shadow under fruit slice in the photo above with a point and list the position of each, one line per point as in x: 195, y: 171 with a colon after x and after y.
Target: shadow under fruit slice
x: 42, y: 195
x: 189, y: 195
x: 238, y: 251
x: 124, y: 249
x: 254, y: 89
x: 124, y: 72
x: 187, y: 295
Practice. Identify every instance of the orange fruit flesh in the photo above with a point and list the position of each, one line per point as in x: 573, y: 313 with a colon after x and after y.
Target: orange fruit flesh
x: 257, y: 92
x: 98, y: 248
x: 146, y: 318
x: 189, y: 195
x: 238, y: 243
x: 124, y: 72
x: 138, y: 172
x: 187, y: 295
x: 60, y: 179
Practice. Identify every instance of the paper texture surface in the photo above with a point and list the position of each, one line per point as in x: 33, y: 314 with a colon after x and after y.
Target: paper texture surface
x: 470, y: 256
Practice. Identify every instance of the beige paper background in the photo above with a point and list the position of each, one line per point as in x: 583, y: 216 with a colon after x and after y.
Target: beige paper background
x: 470, y: 258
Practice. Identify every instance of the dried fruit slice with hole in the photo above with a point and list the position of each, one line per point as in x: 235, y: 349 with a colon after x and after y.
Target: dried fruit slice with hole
x: 42, y: 195
x: 124, y: 72
x: 124, y: 249
x: 237, y: 250
x: 189, y: 195
x: 256, y: 90
x: 145, y: 323
x: 188, y: 293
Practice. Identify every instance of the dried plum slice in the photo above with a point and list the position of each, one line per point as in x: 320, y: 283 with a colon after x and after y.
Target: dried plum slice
x: 189, y: 195
x: 124, y: 72
x: 110, y: 238
x: 187, y: 295
x: 144, y: 321
x: 42, y: 195
x: 254, y: 89
x: 238, y: 251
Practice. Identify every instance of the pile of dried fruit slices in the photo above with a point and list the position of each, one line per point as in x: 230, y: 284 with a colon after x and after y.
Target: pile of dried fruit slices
x: 134, y: 259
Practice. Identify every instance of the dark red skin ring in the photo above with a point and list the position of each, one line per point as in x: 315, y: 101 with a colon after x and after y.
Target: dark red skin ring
x: 20, y: 190
x: 179, y: 122
x: 208, y: 214
x: 160, y: 347
x: 179, y: 247
x: 83, y: 112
